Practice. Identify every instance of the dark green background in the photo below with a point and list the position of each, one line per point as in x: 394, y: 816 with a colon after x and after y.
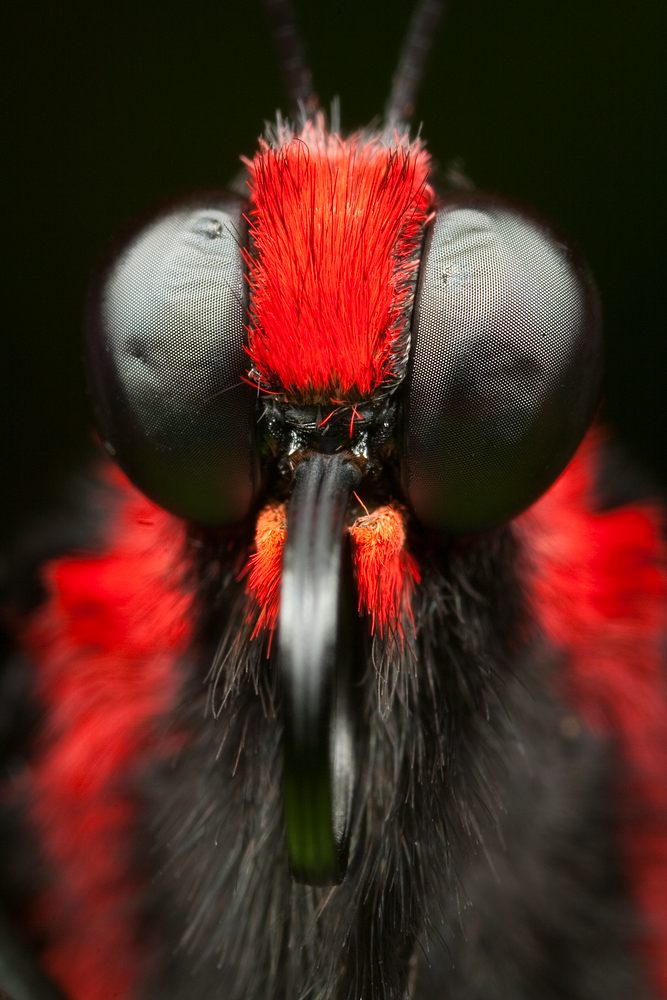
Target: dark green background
x: 114, y: 105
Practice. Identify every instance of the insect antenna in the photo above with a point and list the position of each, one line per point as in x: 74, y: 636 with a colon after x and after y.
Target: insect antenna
x: 407, y: 79
x: 297, y: 76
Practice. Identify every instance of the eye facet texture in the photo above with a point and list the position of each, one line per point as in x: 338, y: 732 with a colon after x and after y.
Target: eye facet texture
x: 505, y: 365
x: 164, y: 346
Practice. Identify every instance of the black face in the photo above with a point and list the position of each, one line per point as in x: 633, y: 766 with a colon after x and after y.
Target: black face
x: 502, y: 381
x: 503, y: 378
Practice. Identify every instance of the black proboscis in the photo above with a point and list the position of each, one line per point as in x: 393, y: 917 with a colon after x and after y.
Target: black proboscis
x: 315, y: 664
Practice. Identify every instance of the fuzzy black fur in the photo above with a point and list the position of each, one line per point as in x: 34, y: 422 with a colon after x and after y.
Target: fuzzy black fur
x: 483, y: 860
x: 483, y: 848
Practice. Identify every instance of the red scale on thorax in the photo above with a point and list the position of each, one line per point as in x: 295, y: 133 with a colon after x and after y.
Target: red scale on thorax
x: 598, y: 588
x: 105, y: 645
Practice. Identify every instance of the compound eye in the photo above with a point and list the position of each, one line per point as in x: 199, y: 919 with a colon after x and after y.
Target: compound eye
x: 505, y: 366
x: 164, y: 350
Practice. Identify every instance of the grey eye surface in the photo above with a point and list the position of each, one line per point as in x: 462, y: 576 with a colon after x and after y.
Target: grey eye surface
x: 505, y: 367
x: 164, y: 345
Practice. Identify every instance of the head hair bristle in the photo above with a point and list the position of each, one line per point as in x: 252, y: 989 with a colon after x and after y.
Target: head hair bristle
x: 336, y: 226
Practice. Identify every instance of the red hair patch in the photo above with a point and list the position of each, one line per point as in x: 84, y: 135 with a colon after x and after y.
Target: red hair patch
x: 599, y: 591
x: 385, y: 572
x: 266, y: 564
x: 105, y: 645
x: 336, y: 230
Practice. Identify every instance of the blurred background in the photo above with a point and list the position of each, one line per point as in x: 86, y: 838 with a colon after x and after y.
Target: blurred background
x: 110, y: 106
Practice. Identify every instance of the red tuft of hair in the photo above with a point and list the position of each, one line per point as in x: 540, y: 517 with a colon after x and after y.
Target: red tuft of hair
x: 386, y: 572
x: 266, y: 565
x: 336, y: 229
x: 105, y: 645
x: 599, y: 592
